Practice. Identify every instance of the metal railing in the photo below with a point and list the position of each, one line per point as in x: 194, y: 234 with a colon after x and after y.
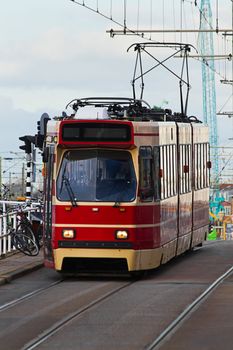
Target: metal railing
x: 8, y: 221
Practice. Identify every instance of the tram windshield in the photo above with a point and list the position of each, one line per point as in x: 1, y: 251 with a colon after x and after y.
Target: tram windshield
x: 96, y: 175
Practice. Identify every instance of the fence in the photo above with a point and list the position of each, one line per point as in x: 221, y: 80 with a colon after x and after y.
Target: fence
x: 8, y: 221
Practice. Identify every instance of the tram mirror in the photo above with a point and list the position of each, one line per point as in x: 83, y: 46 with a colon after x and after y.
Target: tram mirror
x: 45, y: 155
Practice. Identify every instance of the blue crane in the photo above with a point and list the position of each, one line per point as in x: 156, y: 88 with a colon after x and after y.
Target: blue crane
x: 206, y: 48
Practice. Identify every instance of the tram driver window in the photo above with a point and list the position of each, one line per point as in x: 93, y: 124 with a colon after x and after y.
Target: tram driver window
x: 145, y: 173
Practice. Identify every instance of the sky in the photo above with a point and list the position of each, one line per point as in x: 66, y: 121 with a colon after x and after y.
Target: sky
x: 52, y: 51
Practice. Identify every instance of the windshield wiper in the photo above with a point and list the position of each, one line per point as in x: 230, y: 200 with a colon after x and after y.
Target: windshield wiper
x: 70, y: 191
x: 117, y: 204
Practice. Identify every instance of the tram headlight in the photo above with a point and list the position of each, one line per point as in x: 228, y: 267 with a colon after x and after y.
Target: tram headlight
x: 121, y: 234
x: 68, y: 233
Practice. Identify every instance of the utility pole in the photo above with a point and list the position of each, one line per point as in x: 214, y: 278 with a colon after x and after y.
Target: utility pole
x: 22, y: 179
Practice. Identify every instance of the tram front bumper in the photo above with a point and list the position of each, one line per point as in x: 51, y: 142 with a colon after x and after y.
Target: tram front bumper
x: 136, y: 259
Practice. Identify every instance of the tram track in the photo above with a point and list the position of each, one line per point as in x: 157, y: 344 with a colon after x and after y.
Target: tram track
x: 175, y: 324
x: 38, y: 315
x: 106, y: 312
x: 64, y: 322
x: 26, y: 296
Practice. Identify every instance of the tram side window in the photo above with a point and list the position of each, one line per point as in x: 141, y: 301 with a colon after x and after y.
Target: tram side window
x: 171, y: 170
x: 168, y: 168
x: 188, y: 168
x: 196, y: 168
x: 201, y: 170
x: 165, y: 172
x: 157, y: 175
x: 145, y: 173
x: 208, y: 167
x: 185, y: 168
x: 174, y: 168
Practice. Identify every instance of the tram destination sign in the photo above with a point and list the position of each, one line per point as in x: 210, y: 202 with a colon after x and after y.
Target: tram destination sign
x: 95, y: 132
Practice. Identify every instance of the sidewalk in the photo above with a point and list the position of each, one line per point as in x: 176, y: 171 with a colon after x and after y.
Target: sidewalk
x: 17, y: 265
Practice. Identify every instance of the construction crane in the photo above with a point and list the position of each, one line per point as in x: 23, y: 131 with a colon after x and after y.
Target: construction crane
x: 206, y: 48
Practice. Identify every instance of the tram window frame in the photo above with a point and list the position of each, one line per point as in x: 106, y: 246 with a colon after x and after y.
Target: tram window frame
x: 162, y: 172
x: 196, y: 167
x: 146, y: 190
x: 181, y: 177
x: 204, y: 166
x: 201, y: 170
x: 168, y: 166
x: 174, y: 168
x: 189, y: 164
x: 185, y: 168
x: 165, y: 172
x: 201, y: 166
x: 207, y: 167
x: 156, y: 173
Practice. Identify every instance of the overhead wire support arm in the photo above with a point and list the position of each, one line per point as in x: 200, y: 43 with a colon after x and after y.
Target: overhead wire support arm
x: 142, y: 47
x: 140, y: 32
x: 215, y: 57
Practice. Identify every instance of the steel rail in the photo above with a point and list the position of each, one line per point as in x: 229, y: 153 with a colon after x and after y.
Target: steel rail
x: 185, y: 314
x: 26, y: 296
x: 66, y: 320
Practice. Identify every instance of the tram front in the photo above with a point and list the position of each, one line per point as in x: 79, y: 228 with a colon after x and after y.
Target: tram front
x: 95, y: 192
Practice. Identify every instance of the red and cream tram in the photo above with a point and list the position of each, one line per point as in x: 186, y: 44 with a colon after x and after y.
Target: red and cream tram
x: 129, y: 192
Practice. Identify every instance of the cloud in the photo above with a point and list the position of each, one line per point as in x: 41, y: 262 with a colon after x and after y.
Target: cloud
x: 60, y: 58
x: 14, y: 123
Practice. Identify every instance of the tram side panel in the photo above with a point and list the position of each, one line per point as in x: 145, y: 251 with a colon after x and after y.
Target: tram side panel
x: 201, y: 175
x: 147, y: 208
x: 185, y: 202
x: 169, y: 190
x: 158, y: 142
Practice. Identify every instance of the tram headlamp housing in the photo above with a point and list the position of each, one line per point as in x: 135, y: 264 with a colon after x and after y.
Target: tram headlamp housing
x: 68, y: 233
x: 121, y: 234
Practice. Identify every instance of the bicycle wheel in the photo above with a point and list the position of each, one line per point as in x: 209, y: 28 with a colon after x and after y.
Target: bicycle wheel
x: 26, y: 230
x: 25, y: 244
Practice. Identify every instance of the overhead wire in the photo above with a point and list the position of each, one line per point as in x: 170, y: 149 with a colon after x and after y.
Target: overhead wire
x: 124, y: 25
x: 110, y: 10
x: 185, y: 22
x: 174, y: 20
x: 201, y: 13
x: 163, y: 16
x: 138, y: 9
x: 229, y: 98
x: 136, y: 32
x: 125, y: 15
x: 181, y: 19
x: 151, y: 17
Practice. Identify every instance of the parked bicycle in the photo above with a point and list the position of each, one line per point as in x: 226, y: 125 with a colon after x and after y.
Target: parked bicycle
x: 25, y: 238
